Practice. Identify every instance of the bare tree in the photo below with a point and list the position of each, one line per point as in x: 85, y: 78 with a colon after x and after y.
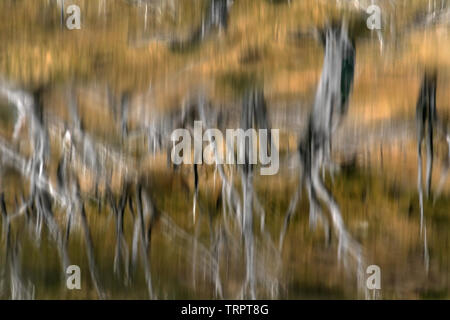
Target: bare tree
x: 214, y: 19
x: 314, y: 149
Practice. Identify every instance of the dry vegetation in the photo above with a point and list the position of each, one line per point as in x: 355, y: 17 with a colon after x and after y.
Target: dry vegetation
x: 376, y: 187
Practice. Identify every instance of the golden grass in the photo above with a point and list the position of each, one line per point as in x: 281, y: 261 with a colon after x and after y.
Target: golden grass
x: 379, y: 207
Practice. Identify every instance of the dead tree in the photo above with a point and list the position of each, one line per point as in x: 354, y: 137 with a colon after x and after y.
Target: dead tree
x: 214, y: 19
x: 238, y: 211
x: 254, y: 115
x: 426, y: 120
x: 43, y: 194
x: 314, y: 149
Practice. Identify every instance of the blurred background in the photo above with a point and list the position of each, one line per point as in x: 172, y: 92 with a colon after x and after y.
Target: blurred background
x: 85, y: 172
